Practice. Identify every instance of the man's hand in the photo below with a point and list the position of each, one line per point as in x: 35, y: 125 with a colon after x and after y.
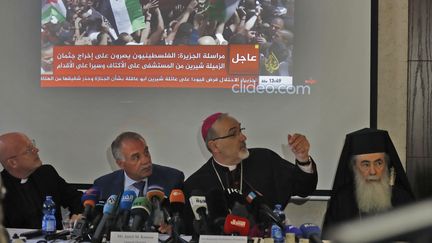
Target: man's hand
x: 299, y: 146
x: 165, y: 228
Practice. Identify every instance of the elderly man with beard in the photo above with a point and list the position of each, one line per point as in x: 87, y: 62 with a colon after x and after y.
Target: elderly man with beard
x: 261, y: 170
x: 369, y: 180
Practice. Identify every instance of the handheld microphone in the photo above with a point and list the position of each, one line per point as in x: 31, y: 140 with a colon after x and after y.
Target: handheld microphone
x: 140, y: 211
x: 311, y: 232
x: 236, y: 202
x: 58, y: 235
x: 264, y: 212
x: 108, y: 210
x: 177, y: 202
x: 97, y: 213
x: 156, y: 196
x: 236, y: 225
x: 217, y: 209
x: 199, y: 208
x: 88, y: 199
x: 124, y: 210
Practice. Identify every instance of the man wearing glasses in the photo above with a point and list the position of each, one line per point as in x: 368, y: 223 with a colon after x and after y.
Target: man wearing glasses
x: 260, y: 170
x: 28, y: 182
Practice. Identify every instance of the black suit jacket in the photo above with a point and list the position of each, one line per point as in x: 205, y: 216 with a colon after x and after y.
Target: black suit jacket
x: 22, y: 204
x: 166, y: 177
x: 263, y: 171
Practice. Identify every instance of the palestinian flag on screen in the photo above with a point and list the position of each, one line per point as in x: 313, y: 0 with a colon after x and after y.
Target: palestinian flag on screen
x: 126, y: 16
x: 53, y: 11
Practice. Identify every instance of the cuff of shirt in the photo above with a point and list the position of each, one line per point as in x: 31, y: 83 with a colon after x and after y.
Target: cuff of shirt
x: 308, y: 168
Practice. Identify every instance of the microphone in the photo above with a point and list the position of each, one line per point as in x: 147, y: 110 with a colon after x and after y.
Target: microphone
x: 97, y: 213
x: 291, y: 229
x: 263, y: 211
x: 140, y: 211
x: 108, y: 210
x: 177, y: 202
x: 199, y: 208
x: 311, y: 232
x: 236, y: 202
x: 88, y: 199
x: 58, y: 235
x: 236, y: 225
x: 217, y: 209
x: 156, y: 196
x: 124, y: 210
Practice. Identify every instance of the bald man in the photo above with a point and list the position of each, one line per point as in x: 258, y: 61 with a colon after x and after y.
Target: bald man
x: 28, y: 182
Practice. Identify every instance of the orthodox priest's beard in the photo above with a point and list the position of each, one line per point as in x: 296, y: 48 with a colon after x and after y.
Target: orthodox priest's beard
x: 373, y: 195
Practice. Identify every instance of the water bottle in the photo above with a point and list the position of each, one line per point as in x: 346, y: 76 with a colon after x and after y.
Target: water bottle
x: 276, y: 234
x: 48, y: 219
x: 276, y: 231
x: 279, y: 212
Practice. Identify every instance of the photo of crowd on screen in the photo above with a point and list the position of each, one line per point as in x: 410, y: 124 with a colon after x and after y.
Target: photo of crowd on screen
x: 268, y: 23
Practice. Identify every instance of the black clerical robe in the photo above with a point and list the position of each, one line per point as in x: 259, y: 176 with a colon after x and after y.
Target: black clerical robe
x: 22, y: 204
x: 343, y: 206
x: 264, y: 171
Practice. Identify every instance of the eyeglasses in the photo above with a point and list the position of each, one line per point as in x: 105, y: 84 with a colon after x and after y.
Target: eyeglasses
x: 234, y: 133
x: 30, y: 149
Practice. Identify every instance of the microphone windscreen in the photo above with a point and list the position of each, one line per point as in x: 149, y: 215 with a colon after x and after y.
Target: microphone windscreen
x: 217, y: 204
x: 90, y: 197
x: 110, y: 205
x: 139, y: 204
x: 293, y: 230
x: 127, y: 199
x: 198, y: 202
x: 155, y: 192
x: 236, y: 225
x: 177, y: 201
x: 177, y: 196
x: 309, y: 230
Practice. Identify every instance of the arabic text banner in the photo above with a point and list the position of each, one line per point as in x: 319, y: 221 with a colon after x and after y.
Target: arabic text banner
x: 153, y: 66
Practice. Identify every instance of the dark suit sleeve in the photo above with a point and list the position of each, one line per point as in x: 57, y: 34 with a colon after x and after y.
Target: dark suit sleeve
x: 67, y: 195
x: 290, y: 180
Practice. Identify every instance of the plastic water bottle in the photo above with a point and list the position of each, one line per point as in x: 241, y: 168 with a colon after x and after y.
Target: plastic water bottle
x: 276, y: 231
x: 279, y: 212
x: 276, y: 234
x: 48, y: 219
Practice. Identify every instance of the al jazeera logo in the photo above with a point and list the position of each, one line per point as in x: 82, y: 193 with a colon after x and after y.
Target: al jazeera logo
x: 271, y: 63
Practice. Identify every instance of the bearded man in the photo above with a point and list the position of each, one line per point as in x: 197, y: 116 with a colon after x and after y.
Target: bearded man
x: 369, y: 180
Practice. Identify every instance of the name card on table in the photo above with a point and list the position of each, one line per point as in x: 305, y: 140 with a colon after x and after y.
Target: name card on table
x: 134, y: 237
x: 222, y: 238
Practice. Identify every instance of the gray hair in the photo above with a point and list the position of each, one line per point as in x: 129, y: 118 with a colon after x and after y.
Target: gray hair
x: 117, y: 143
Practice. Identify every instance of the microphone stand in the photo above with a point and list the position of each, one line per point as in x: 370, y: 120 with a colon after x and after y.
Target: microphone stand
x: 175, y: 236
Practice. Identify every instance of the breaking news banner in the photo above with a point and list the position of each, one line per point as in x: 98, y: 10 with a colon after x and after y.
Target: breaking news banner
x: 161, y: 43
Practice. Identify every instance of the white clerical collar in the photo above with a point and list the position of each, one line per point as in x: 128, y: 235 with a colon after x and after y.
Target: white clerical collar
x: 23, y: 181
x: 129, y: 181
x: 230, y: 167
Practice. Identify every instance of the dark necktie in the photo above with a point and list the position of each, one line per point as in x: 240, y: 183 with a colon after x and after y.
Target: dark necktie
x: 140, y: 186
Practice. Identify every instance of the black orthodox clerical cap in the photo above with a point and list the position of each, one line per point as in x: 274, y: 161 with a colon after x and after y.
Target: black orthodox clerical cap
x: 366, y: 141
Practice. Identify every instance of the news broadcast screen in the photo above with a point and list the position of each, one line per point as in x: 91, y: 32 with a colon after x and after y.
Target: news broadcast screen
x: 164, y: 43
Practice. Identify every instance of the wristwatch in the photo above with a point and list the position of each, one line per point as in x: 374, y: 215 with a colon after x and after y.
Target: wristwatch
x: 305, y: 163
